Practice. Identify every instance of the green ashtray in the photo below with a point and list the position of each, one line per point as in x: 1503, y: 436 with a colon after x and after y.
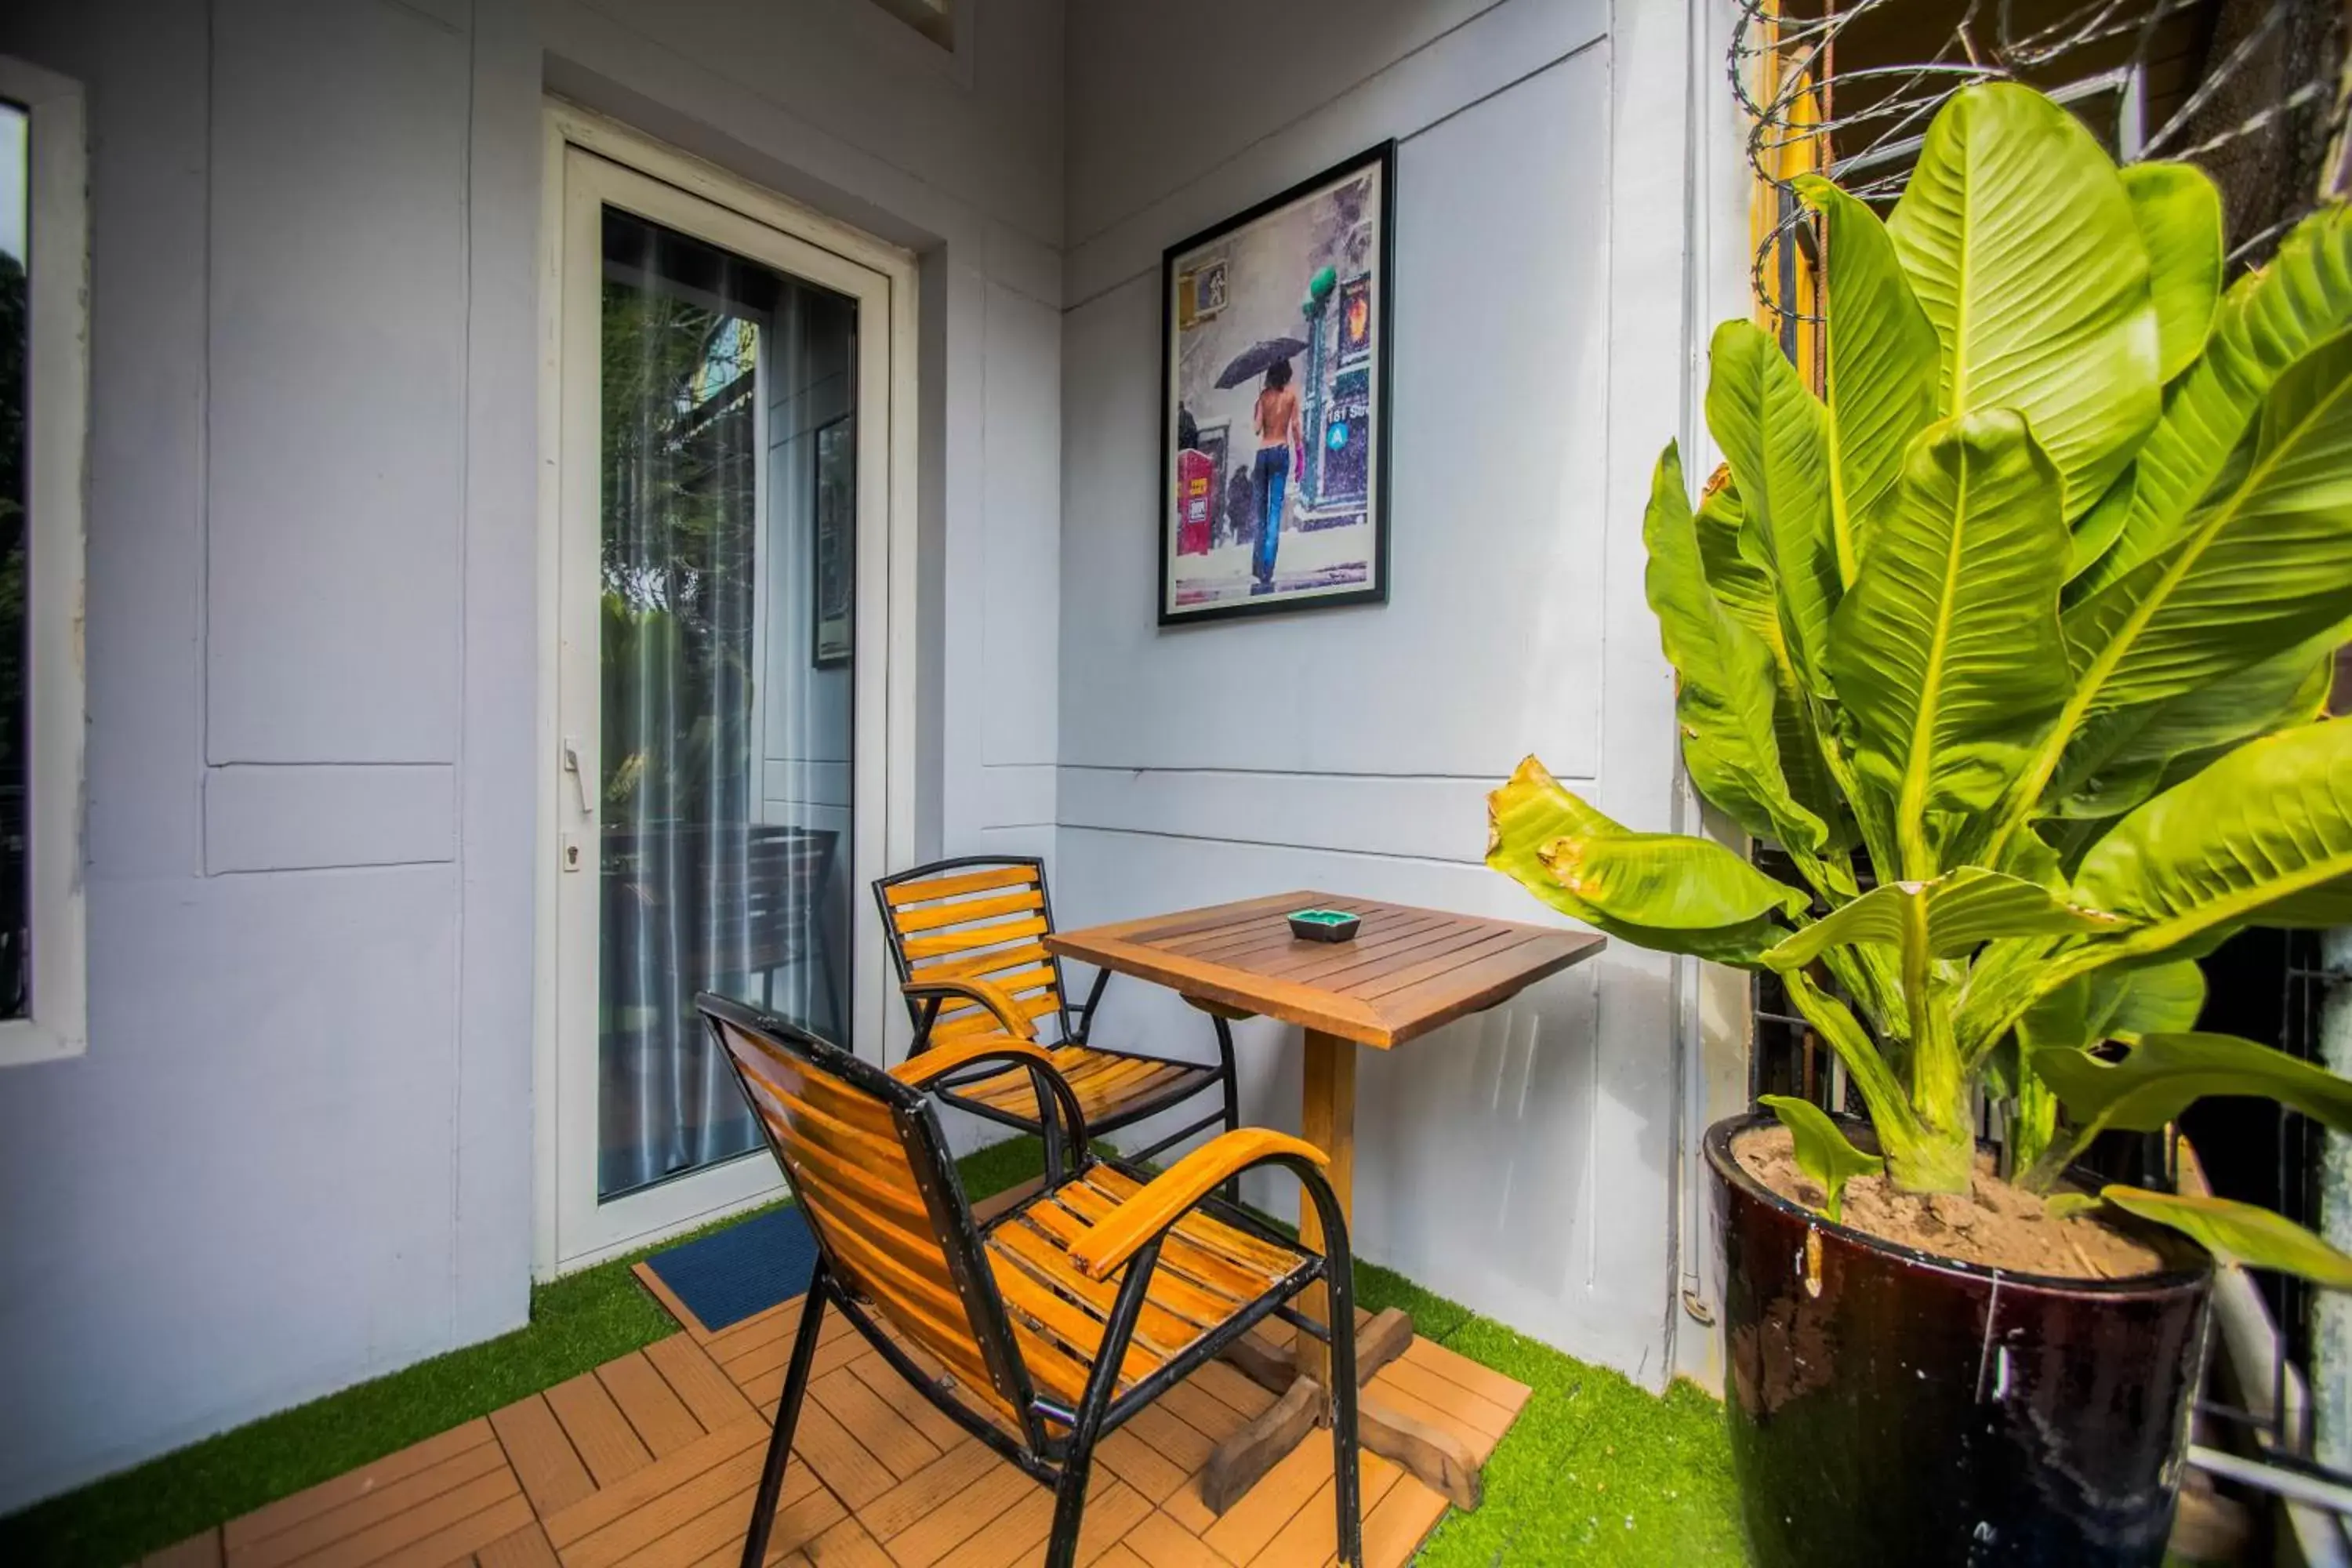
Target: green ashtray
x: 1324, y: 925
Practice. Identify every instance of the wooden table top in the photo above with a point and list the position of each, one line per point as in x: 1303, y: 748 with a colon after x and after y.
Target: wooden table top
x: 1407, y: 972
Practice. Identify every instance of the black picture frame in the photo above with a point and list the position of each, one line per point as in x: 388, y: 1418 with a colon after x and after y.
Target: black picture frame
x: 1185, y: 258
x: 833, y: 545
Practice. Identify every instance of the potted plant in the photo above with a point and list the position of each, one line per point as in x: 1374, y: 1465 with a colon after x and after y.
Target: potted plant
x: 2017, y: 646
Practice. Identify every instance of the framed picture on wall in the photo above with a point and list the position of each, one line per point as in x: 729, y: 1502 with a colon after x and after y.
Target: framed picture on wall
x: 835, y: 515
x: 1273, y: 402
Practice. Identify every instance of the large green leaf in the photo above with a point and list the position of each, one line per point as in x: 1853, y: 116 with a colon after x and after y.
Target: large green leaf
x: 2264, y: 836
x: 2239, y: 1233
x: 2268, y: 320
x: 1657, y: 891
x: 1884, y: 361
x: 1947, y: 652
x: 2020, y: 243
x: 1822, y: 1149
x: 1745, y: 590
x: 2096, y: 531
x: 1774, y: 433
x: 2117, y: 760
x: 2164, y: 1074
x: 1956, y: 913
x: 2178, y: 212
x: 2129, y: 1004
x: 1724, y: 695
x: 2263, y: 569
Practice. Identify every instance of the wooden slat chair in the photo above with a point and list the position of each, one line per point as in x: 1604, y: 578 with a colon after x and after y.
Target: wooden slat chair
x: 967, y: 937
x: 1058, y: 1318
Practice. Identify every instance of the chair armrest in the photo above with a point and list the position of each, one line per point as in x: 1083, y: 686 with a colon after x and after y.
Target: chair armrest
x: 1173, y: 1193
x: 995, y: 998
x: 940, y: 1060
x: 1053, y: 1091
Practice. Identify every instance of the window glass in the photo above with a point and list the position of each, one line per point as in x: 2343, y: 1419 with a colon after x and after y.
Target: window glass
x: 16, y: 184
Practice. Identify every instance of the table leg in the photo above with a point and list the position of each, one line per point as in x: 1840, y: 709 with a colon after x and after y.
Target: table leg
x: 1328, y: 1120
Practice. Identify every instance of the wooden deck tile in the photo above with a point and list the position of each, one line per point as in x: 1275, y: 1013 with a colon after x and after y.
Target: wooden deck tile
x: 240, y: 1534
x: 457, y: 1540
x: 699, y: 1382
x: 601, y: 1508
x: 840, y: 1460
x: 659, y: 1417
x: 1162, y: 1543
x: 1456, y: 1368
x: 654, y: 1461
x: 693, y: 1496
x: 711, y: 1520
x: 1136, y: 1462
x: 890, y: 1436
x: 902, y: 1397
x: 1455, y: 1404
x: 846, y: 1545
x: 935, y: 1534
x: 544, y: 1460
x: 1244, y: 1528
x: 398, y: 1528
x: 608, y: 1444
x: 1394, y: 1531
x: 928, y: 1488
x: 524, y: 1548
x: 201, y: 1550
x: 463, y: 1484
x: 1313, y: 1533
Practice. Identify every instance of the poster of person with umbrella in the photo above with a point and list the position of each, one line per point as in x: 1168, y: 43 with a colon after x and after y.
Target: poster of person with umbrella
x: 1275, y: 401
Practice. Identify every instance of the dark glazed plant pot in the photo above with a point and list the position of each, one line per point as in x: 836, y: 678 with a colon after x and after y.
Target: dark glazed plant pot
x: 1890, y: 1406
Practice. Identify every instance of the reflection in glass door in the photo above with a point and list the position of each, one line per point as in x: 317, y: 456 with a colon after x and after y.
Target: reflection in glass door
x: 724, y: 681
x: 709, y: 594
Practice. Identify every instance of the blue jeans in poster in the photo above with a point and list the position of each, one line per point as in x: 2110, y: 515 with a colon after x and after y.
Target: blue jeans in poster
x: 1272, y: 475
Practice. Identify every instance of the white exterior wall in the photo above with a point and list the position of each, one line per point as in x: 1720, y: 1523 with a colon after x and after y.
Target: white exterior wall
x: 1550, y: 259
x: 298, y: 1151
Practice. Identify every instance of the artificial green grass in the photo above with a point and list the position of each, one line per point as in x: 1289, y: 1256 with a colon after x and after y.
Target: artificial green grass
x: 1594, y: 1471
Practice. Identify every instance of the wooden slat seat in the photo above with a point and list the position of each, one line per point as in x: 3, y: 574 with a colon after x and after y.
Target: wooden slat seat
x: 1208, y: 1273
x: 1105, y: 1083
x: 969, y: 935
x: 1069, y: 1313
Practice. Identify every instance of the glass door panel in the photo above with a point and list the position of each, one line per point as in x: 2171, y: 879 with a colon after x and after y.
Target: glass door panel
x: 724, y: 668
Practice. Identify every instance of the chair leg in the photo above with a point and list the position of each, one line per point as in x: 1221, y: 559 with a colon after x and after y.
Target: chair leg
x: 788, y: 1416
x: 1069, y: 1508
x: 1348, y: 1487
x: 1233, y: 1188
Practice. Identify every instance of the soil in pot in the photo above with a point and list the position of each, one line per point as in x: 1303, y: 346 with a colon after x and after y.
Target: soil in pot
x: 1994, y: 1223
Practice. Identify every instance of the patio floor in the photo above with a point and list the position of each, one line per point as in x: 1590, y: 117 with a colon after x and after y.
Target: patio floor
x: 650, y: 1461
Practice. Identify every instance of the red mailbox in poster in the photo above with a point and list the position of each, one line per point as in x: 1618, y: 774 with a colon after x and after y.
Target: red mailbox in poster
x: 1196, y: 502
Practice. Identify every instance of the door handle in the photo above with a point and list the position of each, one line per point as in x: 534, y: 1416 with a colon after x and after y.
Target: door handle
x: 571, y: 765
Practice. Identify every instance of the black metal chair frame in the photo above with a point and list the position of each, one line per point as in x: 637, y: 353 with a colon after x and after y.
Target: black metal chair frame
x: 1078, y: 1024
x: 1061, y: 1461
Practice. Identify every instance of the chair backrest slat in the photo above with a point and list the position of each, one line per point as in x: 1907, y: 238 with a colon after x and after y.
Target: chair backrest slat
x: 869, y: 1171
x: 976, y: 918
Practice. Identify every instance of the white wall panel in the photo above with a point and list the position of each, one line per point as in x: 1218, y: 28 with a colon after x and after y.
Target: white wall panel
x: 336, y: 440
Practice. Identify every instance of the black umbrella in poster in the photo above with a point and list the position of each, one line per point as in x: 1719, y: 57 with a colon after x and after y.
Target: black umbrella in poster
x: 1255, y: 361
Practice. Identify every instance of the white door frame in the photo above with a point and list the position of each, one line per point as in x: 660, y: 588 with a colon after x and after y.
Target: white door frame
x: 589, y: 161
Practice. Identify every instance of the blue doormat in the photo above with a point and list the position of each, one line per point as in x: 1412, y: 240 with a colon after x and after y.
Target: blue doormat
x: 746, y: 1269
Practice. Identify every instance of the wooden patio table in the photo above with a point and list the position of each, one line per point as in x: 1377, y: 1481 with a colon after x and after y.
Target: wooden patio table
x: 1408, y: 971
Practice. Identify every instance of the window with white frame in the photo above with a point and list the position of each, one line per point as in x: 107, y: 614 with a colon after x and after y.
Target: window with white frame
x: 44, y: 394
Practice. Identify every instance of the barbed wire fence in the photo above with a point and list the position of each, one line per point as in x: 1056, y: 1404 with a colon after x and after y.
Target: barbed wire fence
x: 2251, y: 90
